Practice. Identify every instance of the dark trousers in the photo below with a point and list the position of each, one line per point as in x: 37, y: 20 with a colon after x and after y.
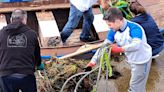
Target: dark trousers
x: 14, y: 84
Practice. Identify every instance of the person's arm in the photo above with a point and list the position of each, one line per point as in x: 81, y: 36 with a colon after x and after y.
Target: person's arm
x: 136, y: 35
x: 110, y: 37
x: 109, y: 40
x: 37, y: 53
x: 133, y: 46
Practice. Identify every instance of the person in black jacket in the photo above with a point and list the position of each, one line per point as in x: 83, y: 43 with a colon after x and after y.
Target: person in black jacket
x: 19, y: 54
x: 154, y: 36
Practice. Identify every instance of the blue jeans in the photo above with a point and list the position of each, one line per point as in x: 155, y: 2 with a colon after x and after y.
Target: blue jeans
x: 14, y: 84
x: 157, y: 50
x: 161, y: 30
x: 73, y: 21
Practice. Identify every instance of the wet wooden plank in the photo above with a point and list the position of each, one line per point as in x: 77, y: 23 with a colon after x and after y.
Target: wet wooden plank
x: 36, y: 8
x: 59, y: 51
x: 32, y: 2
x: 48, y: 29
x: 83, y: 49
x: 2, y: 21
x: 147, y: 3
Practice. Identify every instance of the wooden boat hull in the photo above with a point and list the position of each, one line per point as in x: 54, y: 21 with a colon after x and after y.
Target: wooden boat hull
x: 58, y: 51
x: 56, y: 10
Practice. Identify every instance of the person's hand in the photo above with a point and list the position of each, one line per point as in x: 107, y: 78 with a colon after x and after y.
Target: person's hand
x: 116, y: 49
x: 41, y: 67
x: 104, y: 4
x: 91, y: 64
x: 88, y: 68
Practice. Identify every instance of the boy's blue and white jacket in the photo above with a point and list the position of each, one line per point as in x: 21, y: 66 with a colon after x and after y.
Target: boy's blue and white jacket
x: 131, y: 37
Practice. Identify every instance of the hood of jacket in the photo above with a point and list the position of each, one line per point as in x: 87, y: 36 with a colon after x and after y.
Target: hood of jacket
x: 15, y: 28
x: 141, y: 18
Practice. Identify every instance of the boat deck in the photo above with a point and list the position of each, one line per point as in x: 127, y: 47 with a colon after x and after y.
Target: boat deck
x: 60, y: 12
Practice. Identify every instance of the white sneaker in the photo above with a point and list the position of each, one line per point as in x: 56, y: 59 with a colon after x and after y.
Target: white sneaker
x: 153, y: 57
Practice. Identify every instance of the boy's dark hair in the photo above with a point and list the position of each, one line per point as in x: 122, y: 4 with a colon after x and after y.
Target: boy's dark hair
x: 18, y: 15
x: 113, y: 14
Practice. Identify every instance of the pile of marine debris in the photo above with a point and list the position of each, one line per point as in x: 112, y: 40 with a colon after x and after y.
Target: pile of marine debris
x: 58, y: 71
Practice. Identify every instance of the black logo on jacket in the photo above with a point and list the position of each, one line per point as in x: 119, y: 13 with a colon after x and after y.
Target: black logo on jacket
x: 19, y: 40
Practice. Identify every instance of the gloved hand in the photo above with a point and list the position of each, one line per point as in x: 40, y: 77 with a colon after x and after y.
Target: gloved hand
x: 116, y: 49
x: 41, y: 67
x: 89, y: 66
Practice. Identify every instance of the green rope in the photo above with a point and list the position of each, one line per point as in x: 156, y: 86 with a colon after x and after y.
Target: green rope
x: 105, y: 59
x: 108, y: 61
x: 123, y: 5
x: 102, y: 60
x: 102, y: 10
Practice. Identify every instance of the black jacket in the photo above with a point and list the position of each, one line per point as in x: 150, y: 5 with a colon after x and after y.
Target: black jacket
x: 19, y: 50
